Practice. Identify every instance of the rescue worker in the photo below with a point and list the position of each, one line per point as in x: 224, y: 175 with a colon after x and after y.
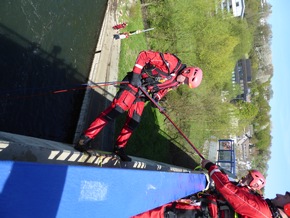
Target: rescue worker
x: 209, y: 203
x: 157, y: 73
x: 245, y: 203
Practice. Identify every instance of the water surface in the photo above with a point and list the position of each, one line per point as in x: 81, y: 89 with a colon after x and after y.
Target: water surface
x: 46, y: 46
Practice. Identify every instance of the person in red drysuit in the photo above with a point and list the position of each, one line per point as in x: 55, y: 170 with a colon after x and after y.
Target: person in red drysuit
x: 157, y: 73
x: 244, y: 202
x: 209, y: 203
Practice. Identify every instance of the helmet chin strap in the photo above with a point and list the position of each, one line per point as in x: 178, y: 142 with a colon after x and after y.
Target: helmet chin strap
x: 274, y: 209
x: 183, y: 66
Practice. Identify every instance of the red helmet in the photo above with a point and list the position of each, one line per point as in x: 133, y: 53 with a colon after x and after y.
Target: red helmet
x: 193, y: 76
x: 258, y: 181
x: 287, y: 209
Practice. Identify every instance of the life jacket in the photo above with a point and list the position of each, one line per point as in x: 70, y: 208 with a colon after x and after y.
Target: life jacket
x: 152, y: 75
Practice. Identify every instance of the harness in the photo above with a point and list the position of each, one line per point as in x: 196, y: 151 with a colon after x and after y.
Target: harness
x: 274, y: 210
x: 212, y: 206
x: 173, y: 212
x: 209, y: 207
x: 152, y: 75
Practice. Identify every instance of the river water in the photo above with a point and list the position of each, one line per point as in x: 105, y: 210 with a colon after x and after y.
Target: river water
x: 46, y: 50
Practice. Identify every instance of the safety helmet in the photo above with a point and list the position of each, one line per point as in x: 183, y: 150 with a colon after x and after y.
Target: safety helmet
x: 258, y: 181
x: 193, y: 76
x: 287, y: 209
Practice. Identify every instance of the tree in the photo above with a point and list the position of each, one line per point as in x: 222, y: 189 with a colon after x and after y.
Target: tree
x: 247, y: 111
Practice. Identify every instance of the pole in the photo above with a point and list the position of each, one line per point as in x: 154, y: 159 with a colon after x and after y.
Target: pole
x: 163, y: 112
x: 140, y: 31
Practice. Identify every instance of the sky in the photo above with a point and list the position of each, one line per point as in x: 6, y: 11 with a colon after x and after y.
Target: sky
x: 278, y: 178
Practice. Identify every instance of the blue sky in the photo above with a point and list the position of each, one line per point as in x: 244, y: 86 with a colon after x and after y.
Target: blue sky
x: 278, y: 179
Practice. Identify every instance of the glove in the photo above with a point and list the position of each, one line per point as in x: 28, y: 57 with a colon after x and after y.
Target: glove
x: 153, y: 88
x: 156, y: 97
x: 141, y: 94
x: 205, y: 162
x: 136, y: 80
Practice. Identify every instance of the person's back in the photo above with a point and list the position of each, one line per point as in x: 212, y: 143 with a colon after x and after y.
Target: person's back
x: 245, y: 203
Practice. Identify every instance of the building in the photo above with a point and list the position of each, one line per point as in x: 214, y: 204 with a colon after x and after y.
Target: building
x: 242, y: 75
x: 236, y: 7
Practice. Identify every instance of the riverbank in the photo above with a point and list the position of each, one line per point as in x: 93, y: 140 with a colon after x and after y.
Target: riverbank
x: 104, y: 68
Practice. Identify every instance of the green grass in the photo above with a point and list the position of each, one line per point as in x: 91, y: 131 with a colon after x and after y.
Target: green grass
x: 131, y: 46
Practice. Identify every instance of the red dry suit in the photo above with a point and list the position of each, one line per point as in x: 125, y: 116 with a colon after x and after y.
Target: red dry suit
x: 242, y: 201
x: 156, y: 72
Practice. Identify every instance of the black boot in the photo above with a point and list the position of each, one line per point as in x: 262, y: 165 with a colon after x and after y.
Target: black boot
x: 84, y: 145
x: 121, y: 153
